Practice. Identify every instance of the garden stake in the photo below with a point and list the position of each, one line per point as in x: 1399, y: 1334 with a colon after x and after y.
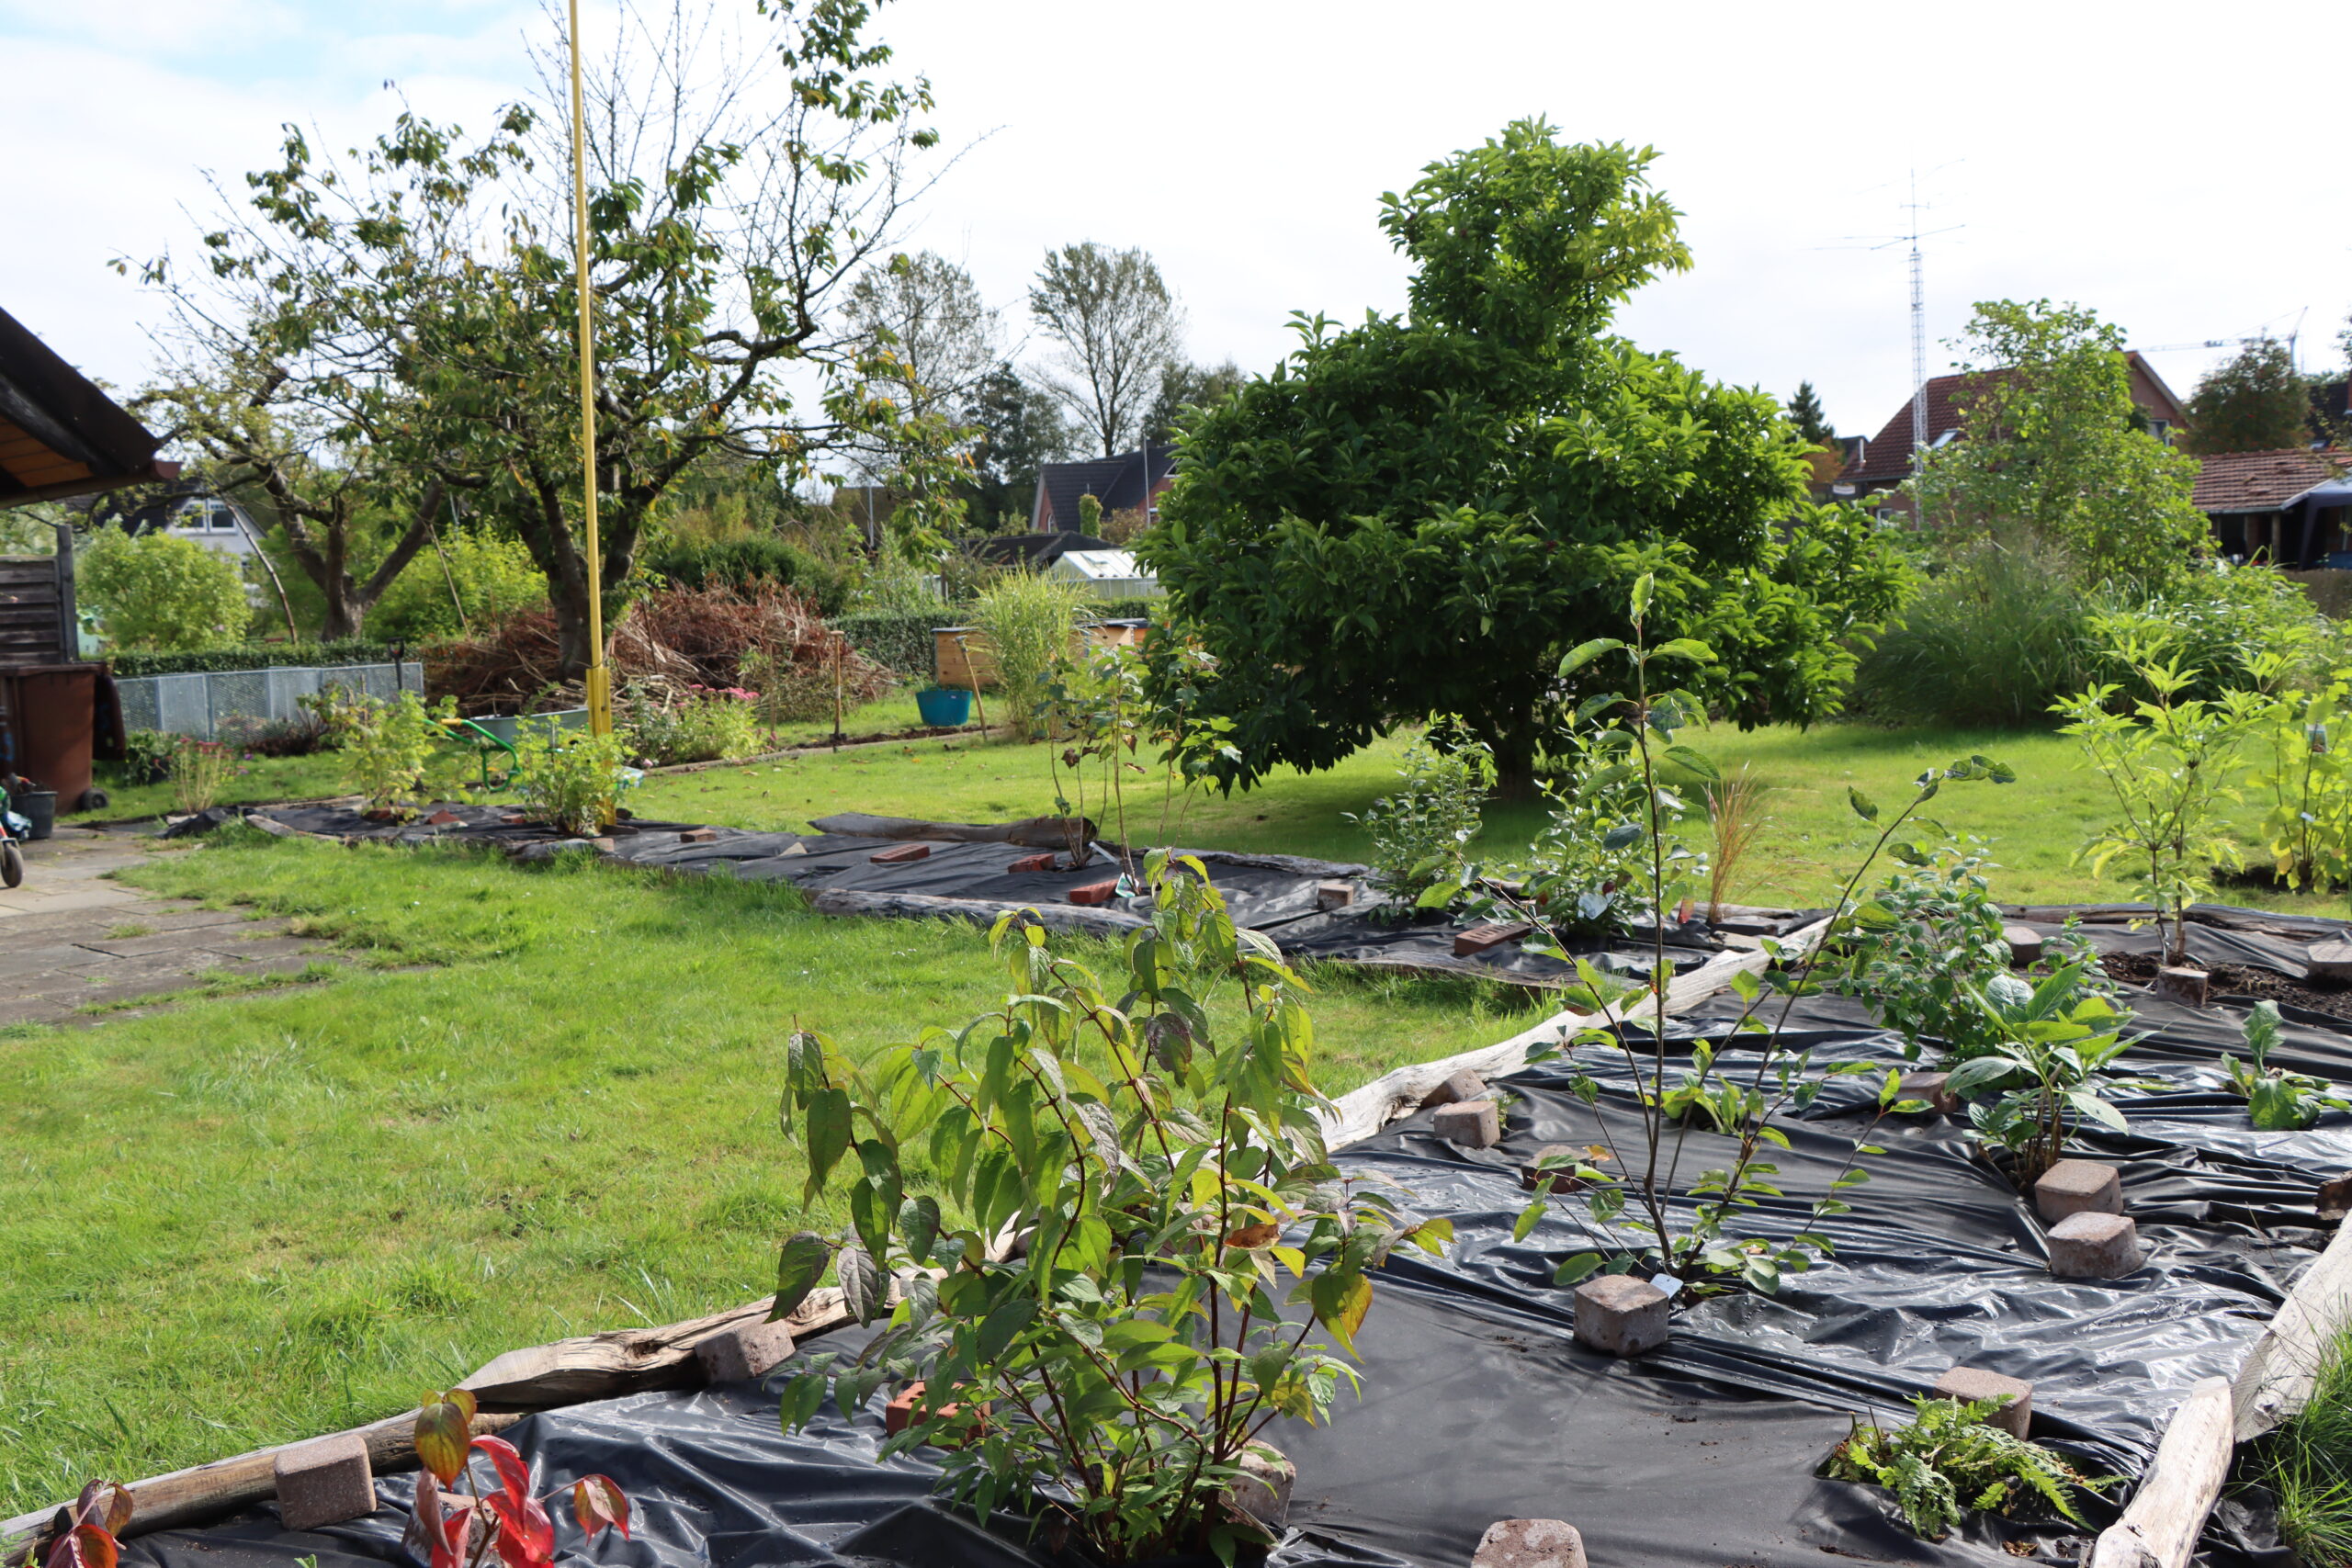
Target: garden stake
x: 837, y: 693
x: 972, y: 675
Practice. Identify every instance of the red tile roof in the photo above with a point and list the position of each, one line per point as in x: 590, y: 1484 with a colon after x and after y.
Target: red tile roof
x: 1887, y: 458
x: 2264, y: 482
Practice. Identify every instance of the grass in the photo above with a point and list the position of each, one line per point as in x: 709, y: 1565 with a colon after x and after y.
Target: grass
x: 273, y: 1214
x: 2307, y: 1464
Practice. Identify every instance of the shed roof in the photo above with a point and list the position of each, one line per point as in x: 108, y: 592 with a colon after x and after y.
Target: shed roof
x: 59, y: 434
x: 2264, y: 482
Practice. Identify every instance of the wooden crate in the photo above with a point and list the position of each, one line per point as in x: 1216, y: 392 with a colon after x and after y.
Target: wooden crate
x: 961, y: 654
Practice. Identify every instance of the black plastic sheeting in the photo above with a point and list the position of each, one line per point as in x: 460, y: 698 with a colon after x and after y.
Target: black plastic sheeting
x: 1274, y: 893
x: 1479, y: 1405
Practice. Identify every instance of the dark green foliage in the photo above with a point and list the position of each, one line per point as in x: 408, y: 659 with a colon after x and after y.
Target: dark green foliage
x: 2307, y: 1463
x: 1946, y: 1458
x: 898, y: 639
x: 1805, y: 413
x: 257, y: 656
x: 1423, y: 513
x: 1188, y: 386
x: 2257, y: 402
x: 1994, y: 637
x: 739, y: 563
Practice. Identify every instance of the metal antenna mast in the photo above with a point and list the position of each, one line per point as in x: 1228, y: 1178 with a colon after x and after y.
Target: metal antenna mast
x: 1918, y: 333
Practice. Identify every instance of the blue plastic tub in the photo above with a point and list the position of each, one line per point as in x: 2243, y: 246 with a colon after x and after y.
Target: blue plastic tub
x: 944, y: 707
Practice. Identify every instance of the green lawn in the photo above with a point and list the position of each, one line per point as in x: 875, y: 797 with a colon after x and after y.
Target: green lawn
x: 266, y: 1216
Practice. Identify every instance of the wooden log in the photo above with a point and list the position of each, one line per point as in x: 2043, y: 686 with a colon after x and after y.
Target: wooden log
x: 1361, y: 1113
x: 980, y: 911
x: 207, y: 1492
x: 2275, y: 1379
x: 2161, y: 1524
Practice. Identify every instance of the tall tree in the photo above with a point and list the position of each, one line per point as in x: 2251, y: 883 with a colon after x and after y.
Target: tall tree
x: 736, y: 188
x: 2052, y: 450
x: 1021, y: 429
x: 2257, y: 402
x: 932, y: 337
x: 1116, y: 329
x: 1805, y: 413
x: 1422, y: 515
x: 1186, y: 385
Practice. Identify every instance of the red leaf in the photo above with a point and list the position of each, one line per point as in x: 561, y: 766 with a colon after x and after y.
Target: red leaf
x: 525, y: 1534
x: 512, y: 1473
x: 105, y: 1504
x: 83, y: 1546
x: 599, y: 1501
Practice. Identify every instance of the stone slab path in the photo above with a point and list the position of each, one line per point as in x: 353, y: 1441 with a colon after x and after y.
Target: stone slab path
x: 70, y: 940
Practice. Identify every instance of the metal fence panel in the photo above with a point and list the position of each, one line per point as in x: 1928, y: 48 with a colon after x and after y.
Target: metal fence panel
x: 201, y: 705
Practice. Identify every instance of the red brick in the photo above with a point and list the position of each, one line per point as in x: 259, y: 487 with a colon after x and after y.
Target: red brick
x: 898, y: 854
x: 1478, y: 938
x: 443, y: 819
x: 1094, y: 892
x: 699, y: 836
x: 324, y: 1482
x: 1033, y: 863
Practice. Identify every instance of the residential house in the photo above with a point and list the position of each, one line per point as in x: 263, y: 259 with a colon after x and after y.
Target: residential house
x: 1123, y: 483
x: 215, y: 522
x: 2287, y: 507
x: 1884, y: 462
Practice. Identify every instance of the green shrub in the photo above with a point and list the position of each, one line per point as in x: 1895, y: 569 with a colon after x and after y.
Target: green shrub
x: 760, y: 558
x: 1946, y: 1458
x: 1029, y: 620
x: 160, y: 590
x: 199, y: 771
x: 1994, y: 639
x: 2308, y: 1462
x: 252, y: 656
x: 697, y: 724
x: 386, y: 745
x: 898, y: 639
x: 570, y: 781
x: 1419, y: 831
x: 1587, y: 869
x: 495, y: 577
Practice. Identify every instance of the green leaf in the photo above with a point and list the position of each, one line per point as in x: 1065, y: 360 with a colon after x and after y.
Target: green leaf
x: 1644, y: 586
x: 1585, y: 653
x: 1697, y: 763
x: 1685, y: 647
x: 829, y: 1124
x: 1575, y: 1269
x: 801, y: 1263
x: 1000, y: 1328
x: 1341, y: 1299
x: 1862, y: 806
x: 1528, y: 1218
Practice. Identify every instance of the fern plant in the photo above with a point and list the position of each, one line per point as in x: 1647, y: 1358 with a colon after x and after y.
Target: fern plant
x: 1946, y: 1458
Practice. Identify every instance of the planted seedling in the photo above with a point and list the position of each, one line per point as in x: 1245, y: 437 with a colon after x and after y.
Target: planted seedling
x: 2046, y: 1067
x: 450, y: 1527
x: 2277, y: 1101
x: 1946, y: 1459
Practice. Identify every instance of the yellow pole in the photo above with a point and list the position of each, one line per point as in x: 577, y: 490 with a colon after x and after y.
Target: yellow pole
x: 600, y: 687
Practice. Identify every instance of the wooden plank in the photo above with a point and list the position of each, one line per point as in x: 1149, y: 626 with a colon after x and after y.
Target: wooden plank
x: 2275, y: 1379
x: 980, y: 911
x: 2161, y: 1524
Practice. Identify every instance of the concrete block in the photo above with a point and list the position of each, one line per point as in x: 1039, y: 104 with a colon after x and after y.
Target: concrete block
x: 699, y: 836
x: 1974, y: 1383
x: 1478, y: 938
x: 900, y: 854
x: 1458, y: 1086
x: 2091, y: 1246
x: 1475, y: 1124
x: 324, y: 1482
x: 2328, y: 963
x: 1929, y: 1087
x: 1094, y: 892
x: 2025, y: 945
x: 603, y: 846
x: 1621, y: 1315
x: 2334, y: 1197
x: 2179, y: 983
x: 1264, y: 1491
x: 2077, y: 1186
x: 1043, y: 862
x: 1530, y: 1543
x: 1557, y: 1180
x: 1334, y: 895
x: 745, y: 1352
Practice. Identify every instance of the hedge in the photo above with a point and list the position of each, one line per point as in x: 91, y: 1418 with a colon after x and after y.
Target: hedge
x: 901, y: 638
x: 254, y: 656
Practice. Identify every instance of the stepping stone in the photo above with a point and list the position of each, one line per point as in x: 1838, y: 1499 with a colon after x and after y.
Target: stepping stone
x: 1530, y: 1543
x: 324, y: 1482
x: 1475, y: 1124
x: 2076, y: 1187
x: 1263, y: 1490
x: 2091, y: 1246
x: 2329, y: 963
x: 1458, y: 1086
x: 1973, y: 1384
x: 1619, y: 1315
x: 2025, y: 945
x: 900, y: 854
x: 1478, y: 938
x: 699, y: 836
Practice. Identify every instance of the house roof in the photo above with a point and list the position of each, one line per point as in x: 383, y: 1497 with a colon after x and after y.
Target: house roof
x: 2264, y: 482
x: 1035, y: 551
x: 1886, y: 458
x: 59, y: 434
x: 1117, y: 482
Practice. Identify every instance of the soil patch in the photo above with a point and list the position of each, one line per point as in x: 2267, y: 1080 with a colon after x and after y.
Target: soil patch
x: 2238, y: 980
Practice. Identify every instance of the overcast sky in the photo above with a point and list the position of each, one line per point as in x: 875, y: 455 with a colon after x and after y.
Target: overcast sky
x: 2179, y: 169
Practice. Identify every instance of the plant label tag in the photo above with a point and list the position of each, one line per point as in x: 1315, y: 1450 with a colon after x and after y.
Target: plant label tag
x: 1668, y: 1283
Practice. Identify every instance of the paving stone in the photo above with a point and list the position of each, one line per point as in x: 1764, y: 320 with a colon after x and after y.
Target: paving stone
x: 324, y: 1482
x: 2025, y: 944
x: 1475, y: 1123
x: 1480, y: 939
x: 2329, y: 963
x: 745, y: 1352
x: 2179, y: 983
x: 1973, y: 1384
x: 1532, y: 1177
x: 1929, y: 1087
x: 1334, y: 895
x: 1457, y: 1087
x: 1621, y: 1315
x: 2075, y: 1187
x: 1530, y: 1543
x: 900, y: 854
x: 2091, y: 1246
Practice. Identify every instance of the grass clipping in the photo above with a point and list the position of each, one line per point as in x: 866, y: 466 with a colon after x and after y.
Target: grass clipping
x: 1946, y: 1458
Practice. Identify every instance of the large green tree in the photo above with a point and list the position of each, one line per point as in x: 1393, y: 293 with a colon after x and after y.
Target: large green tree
x: 1420, y: 515
x: 2053, y: 452
x: 2255, y: 402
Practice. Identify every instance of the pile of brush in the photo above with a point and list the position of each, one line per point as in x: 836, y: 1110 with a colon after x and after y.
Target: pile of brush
x: 765, y: 639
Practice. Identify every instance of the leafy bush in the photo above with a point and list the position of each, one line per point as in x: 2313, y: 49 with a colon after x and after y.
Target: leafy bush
x: 2277, y: 1100
x: 1923, y: 945
x: 252, y: 656
x: 898, y: 640
x: 1586, y: 869
x: 1062, y: 1374
x: 572, y: 782
x: 1994, y: 639
x: 147, y: 756
x: 160, y: 590
x: 386, y: 745
x: 696, y: 725
x: 1946, y: 1458
x: 2308, y: 825
x: 494, y: 577
x: 200, y: 770
x: 1418, y: 832
x: 758, y: 557
x: 1029, y: 621
x: 2052, y: 1042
